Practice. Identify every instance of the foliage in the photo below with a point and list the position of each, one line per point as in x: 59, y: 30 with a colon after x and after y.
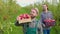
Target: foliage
x: 10, y: 10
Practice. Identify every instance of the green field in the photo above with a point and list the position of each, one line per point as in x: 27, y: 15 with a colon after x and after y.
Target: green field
x: 9, y: 11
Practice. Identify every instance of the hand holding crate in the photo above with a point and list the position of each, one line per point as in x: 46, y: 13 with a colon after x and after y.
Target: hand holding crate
x: 24, y: 18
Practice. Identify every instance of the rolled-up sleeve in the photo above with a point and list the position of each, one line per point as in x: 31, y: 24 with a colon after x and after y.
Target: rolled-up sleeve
x: 40, y: 27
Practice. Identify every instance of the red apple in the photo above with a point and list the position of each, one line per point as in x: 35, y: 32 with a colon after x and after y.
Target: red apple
x: 49, y: 20
x: 27, y: 16
x: 24, y: 16
x: 21, y: 17
x: 46, y: 20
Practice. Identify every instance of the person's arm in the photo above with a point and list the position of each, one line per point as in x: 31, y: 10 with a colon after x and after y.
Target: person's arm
x: 40, y: 28
x: 39, y: 24
x: 17, y: 23
x: 41, y: 19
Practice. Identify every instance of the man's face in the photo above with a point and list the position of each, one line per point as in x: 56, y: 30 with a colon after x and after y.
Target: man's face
x: 33, y: 13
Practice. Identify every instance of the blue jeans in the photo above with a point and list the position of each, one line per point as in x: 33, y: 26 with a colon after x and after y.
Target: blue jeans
x: 46, y: 31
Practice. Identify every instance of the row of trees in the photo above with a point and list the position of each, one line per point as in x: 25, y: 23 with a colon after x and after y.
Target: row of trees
x: 8, y: 12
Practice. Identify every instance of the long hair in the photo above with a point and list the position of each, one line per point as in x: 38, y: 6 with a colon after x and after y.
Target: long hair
x: 47, y: 7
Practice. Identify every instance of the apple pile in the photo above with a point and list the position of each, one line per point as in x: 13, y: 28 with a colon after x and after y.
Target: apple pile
x: 24, y: 18
x: 49, y: 22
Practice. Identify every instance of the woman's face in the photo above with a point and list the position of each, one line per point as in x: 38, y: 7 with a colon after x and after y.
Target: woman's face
x: 33, y: 13
x: 44, y: 7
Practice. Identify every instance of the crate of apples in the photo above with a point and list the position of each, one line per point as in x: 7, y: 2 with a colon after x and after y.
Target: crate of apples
x: 49, y: 22
x: 24, y: 18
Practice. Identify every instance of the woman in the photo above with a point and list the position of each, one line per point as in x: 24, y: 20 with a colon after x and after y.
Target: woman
x: 46, y: 14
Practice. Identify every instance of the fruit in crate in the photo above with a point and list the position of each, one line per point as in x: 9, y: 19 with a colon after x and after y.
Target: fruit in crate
x: 49, y: 22
x: 24, y: 18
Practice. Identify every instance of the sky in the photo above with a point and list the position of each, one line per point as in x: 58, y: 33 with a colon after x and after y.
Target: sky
x: 24, y: 3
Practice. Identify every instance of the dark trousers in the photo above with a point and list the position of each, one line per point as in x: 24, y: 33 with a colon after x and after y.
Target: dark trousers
x: 46, y: 31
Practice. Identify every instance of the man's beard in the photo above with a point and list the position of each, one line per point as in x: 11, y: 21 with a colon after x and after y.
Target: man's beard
x: 32, y: 17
